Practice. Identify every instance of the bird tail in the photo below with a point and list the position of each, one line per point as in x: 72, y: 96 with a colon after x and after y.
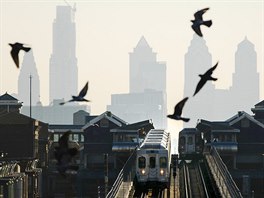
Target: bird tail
x: 208, y: 23
x: 185, y: 119
x: 214, y: 79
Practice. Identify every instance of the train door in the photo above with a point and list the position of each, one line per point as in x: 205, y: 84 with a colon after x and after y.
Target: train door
x: 153, y: 172
x: 190, y: 144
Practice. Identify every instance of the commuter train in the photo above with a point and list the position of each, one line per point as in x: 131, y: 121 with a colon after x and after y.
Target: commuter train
x: 153, y: 160
x: 190, y: 144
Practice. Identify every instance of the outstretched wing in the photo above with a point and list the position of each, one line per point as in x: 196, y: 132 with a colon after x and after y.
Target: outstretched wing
x: 14, y: 54
x: 197, y: 30
x: 179, y: 106
x: 199, y: 14
x: 83, y: 91
x: 209, y: 72
x: 199, y: 86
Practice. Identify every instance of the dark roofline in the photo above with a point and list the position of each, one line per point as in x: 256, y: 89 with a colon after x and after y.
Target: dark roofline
x: 6, y: 96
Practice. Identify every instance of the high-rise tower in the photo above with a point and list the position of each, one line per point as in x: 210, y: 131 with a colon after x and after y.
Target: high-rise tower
x: 245, y: 87
x: 147, y: 98
x: 63, y: 61
x: 197, y: 61
x: 28, y: 68
x: 144, y: 70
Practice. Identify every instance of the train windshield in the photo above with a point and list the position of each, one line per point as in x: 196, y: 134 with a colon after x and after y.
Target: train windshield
x: 163, y: 162
x: 152, y: 162
x: 141, y: 162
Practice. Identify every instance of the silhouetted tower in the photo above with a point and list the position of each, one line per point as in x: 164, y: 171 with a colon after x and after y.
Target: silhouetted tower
x: 63, y: 61
x: 144, y: 70
x: 28, y: 68
x: 197, y: 61
x: 245, y: 86
x: 147, y: 97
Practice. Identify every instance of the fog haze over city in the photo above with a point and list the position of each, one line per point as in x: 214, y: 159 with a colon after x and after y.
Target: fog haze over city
x: 107, y: 31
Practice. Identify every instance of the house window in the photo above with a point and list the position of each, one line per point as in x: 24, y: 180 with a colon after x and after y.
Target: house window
x: 55, y: 137
x: 82, y: 138
x: 75, y: 137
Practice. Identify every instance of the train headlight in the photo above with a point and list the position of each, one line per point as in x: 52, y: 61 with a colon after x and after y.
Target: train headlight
x: 143, y: 171
x: 162, y: 172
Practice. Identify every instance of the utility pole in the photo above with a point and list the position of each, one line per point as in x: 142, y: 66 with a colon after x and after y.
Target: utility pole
x: 30, y: 78
x: 106, y: 172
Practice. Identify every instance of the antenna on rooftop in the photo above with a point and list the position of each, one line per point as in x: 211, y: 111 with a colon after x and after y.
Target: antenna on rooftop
x: 73, y: 9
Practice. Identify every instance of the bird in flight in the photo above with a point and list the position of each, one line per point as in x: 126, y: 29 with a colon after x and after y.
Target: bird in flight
x: 178, y: 111
x: 80, y: 97
x: 205, y: 77
x: 16, y: 47
x: 198, y: 21
x: 64, y: 154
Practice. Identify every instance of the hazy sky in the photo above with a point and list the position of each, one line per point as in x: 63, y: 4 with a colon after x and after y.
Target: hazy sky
x: 106, y: 31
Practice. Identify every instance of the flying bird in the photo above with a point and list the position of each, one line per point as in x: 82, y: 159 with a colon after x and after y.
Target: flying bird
x: 64, y: 154
x: 178, y: 111
x: 16, y: 47
x: 80, y: 97
x: 205, y: 77
x: 198, y: 21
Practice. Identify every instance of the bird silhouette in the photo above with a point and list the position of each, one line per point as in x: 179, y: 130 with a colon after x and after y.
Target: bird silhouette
x: 205, y: 77
x: 16, y: 47
x: 198, y: 21
x: 80, y: 97
x: 178, y: 111
x: 64, y: 154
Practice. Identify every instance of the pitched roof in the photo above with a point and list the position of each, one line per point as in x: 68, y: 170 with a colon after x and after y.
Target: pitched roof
x: 260, y: 104
x: 108, y: 115
x: 146, y: 124
x: 6, y: 96
x: 216, y: 126
x: 241, y: 115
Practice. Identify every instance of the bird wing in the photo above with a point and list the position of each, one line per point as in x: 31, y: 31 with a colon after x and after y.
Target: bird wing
x: 199, y: 14
x: 199, y: 85
x: 210, y: 71
x: 14, y: 54
x: 197, y: 30
x: 179, y: 106
x: 83, y: 91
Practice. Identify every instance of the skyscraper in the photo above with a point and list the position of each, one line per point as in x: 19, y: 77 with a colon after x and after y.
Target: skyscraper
x: 217, y: 104
x: 144, y: 70
x: 147, y: 98
x: 197, y: 61
x: 63, y: 61
x: 245, y: 87
x: 28, y: 68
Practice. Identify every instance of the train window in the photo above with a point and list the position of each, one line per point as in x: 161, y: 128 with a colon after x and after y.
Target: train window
x: 152, y: 162
x: 141, y: 162
x: 163, y: 162
x: 190, y: 141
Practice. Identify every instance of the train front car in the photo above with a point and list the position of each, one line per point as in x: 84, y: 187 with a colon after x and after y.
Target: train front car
x: 153, y: 160
x: 190, y: 144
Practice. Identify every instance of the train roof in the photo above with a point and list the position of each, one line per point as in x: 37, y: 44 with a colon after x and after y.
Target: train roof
x: 156, y: 139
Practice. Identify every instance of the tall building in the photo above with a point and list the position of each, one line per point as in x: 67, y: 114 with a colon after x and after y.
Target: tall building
x: 28, y: 68
x: 63, y: 61
x: 197, y: 61
x: 144, y: 70
x: 147, y: 98
x: 245, y: 87
x: 217, y: 104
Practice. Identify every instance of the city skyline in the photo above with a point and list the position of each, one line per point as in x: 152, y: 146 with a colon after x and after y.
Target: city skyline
x: 104, y: 40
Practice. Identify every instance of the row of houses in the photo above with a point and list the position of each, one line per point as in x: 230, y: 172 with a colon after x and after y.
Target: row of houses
x: 105, y: 142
